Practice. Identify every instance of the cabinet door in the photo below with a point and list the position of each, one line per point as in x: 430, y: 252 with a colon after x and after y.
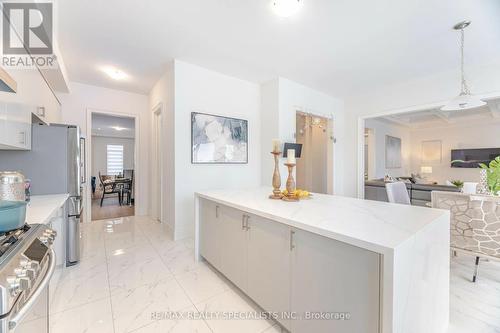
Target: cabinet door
x: 17, y: 126
x: 209, y: 232
x: 233, y: 254
x: 330, y: 277
x: 269, y: 265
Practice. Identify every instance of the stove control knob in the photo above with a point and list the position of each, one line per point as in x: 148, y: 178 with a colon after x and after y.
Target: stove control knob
x: 50, y: 232
x: 14, y: 285
x: 24, y: 283
x: 49, y: 236
x: 45, y: 240
x: 31, y: 273
x: 34, y: 266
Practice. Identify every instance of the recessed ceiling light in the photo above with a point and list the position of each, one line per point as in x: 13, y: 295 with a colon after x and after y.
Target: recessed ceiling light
x: 286, y: 8
x: 115, y: 73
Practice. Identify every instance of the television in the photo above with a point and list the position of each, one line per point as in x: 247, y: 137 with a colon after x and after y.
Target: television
x: 470, y: 158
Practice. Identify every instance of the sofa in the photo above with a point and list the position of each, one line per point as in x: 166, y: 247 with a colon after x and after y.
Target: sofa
x: 420, y: 194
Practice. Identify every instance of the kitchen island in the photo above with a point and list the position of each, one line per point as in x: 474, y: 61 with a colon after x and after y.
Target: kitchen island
x: 330, y: 263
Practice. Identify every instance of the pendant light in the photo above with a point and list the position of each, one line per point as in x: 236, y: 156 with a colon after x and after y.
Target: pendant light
x: 465, y: 100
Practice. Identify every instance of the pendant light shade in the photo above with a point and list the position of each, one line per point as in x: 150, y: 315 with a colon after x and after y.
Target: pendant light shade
x: 465, y: 100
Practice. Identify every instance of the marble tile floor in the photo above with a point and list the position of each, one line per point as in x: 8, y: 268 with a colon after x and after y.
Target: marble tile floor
x: 132, y: 274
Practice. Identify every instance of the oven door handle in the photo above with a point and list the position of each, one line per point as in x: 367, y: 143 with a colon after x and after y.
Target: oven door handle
x: 14, y: 321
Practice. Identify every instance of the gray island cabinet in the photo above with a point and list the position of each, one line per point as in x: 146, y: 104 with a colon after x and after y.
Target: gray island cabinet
x: 317, y: 270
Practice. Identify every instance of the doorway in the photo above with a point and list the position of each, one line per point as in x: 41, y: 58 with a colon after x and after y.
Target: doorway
x: 113, y: 151
x: 315, y: 167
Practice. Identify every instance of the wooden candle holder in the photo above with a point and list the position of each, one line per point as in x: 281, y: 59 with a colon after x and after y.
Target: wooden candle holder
x: 290, y: 184
x: 276, y: 178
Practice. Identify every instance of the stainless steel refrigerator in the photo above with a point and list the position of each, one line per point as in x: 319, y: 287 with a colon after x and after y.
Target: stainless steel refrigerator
x: 55, y: 164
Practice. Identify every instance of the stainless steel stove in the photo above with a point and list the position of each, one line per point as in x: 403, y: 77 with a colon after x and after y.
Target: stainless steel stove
x: 27, y: 263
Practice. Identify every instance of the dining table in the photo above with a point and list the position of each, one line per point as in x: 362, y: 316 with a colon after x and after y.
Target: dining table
x: 118, y: 182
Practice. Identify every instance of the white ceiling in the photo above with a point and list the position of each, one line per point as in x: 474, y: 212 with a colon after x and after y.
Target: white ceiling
x: 341, y: 47
x: 105, y: 125
x: 438, y: 119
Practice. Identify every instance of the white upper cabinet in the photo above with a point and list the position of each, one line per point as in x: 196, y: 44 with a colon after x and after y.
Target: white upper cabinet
x: 32, y: 96
x: 15, y: 126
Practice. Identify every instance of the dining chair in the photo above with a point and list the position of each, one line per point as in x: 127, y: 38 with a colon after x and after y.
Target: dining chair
x: 128, y: 186
x: 474, y: 224
x: 397, y: 193
x: 109, y: 187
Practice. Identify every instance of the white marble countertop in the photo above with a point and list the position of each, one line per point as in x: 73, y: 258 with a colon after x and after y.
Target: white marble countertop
x: 42, y: 208
x: 377, y: 226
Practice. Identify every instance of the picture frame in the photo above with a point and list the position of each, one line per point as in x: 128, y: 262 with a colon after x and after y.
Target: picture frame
x: 218, y: 139
x: 392, y: 152
x: 432, y: 153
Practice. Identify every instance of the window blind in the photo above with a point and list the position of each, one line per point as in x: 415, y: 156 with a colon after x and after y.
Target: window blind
x: 114, y: 159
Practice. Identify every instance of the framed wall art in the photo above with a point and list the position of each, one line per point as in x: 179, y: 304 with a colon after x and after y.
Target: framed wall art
x: 392, y: 152
x: 218, y: 140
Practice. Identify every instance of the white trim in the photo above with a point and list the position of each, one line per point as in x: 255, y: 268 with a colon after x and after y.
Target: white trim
x: 88, y: 155
x: 361, y: 130
x: 157, y: 111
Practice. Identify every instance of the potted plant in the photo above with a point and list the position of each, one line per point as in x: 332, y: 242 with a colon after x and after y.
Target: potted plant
x: 458, y: 183
x: 492, y: 175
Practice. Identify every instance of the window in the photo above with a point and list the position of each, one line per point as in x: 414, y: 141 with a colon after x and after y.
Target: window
x: 114, y: 160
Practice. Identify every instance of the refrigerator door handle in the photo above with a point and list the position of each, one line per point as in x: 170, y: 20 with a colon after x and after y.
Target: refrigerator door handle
x: 73, y: 241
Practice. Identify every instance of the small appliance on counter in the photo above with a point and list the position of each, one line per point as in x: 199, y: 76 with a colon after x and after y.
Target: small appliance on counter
x: 12, y: 186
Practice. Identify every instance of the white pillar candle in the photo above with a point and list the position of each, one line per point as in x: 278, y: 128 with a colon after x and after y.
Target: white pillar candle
x: 290, y: 156
x: 276, y: 145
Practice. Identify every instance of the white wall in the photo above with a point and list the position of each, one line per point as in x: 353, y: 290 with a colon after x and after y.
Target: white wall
x: 162, y: 95
x: 202, y: 90
x: 419, y: 94
x: 281, y: 99
x: 187, y: 88
x: 460, y: 136
x: 377, y: 162
x: 83, y: 97
x: 99, y: 153
x: 269, y: 113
